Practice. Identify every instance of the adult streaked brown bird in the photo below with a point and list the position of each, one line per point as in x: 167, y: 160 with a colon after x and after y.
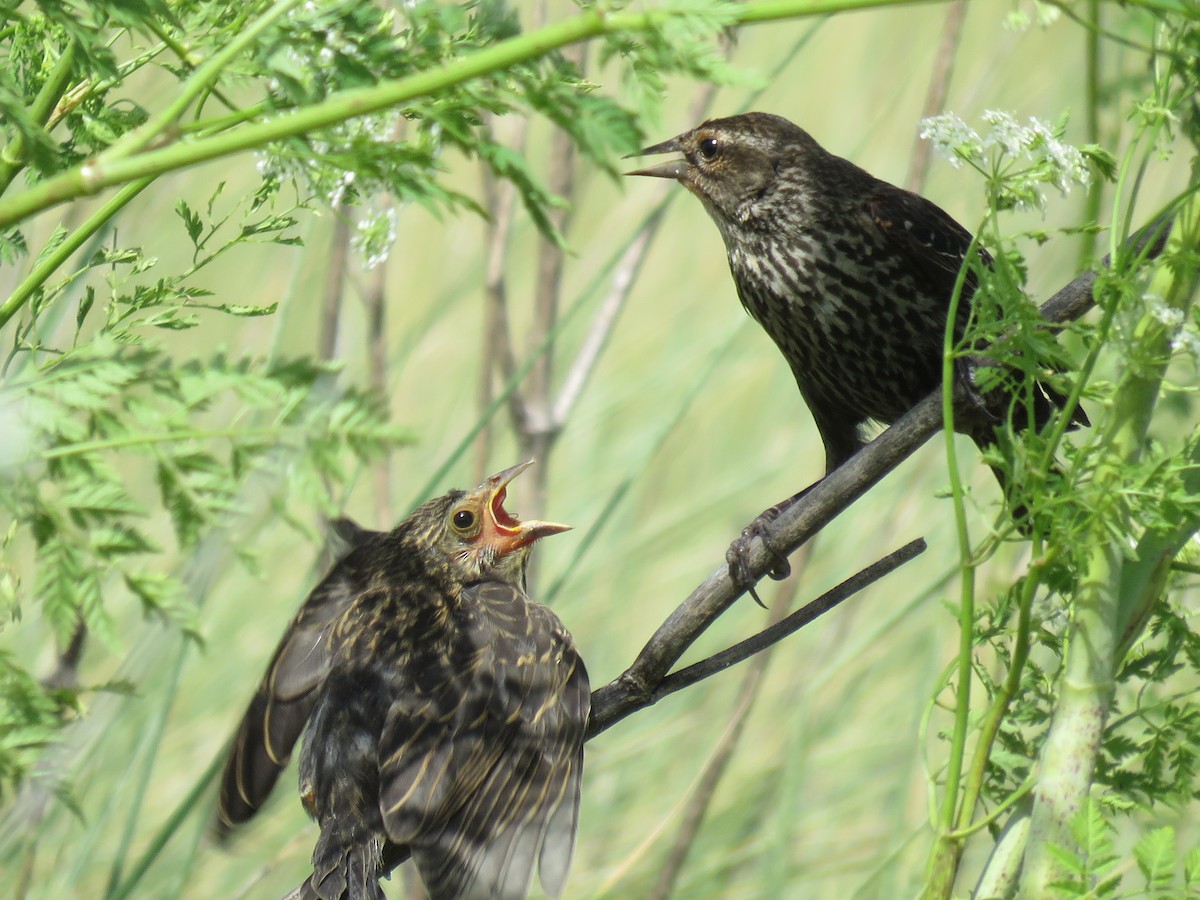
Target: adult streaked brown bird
x: 850, y: 276
x: 443, y: 711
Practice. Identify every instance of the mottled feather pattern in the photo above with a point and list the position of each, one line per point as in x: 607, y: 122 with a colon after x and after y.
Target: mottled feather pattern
x: 443, y: 712
x: 850, y: 276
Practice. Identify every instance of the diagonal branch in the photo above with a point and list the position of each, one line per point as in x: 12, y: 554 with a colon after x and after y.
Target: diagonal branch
x: 613, y: 702
x: 643, y: 682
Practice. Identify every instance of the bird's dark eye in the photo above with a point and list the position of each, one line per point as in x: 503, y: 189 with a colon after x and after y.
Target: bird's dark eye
x: 709, y: 148
x: 463, y: 519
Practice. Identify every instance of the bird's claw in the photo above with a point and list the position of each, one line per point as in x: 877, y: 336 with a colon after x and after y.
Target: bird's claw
x: 738, y: 555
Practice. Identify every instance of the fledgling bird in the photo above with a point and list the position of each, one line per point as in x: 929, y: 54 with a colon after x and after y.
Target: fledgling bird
x: 850, y: 276
x: 443, y: 711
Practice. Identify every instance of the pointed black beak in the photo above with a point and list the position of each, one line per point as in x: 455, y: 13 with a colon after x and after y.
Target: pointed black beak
x: 675, y: 168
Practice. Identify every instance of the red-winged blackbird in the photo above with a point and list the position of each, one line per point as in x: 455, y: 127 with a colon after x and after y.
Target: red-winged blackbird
x: 443, y: 710
x: 850, y: 276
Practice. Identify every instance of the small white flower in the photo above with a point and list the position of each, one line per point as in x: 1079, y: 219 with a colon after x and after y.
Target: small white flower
x: 374, y: 236
x: 1005, y: 142
x: 1162, y: 313
x: 1187, y: 342
x: 952, y: 138
x: 1006, y: 134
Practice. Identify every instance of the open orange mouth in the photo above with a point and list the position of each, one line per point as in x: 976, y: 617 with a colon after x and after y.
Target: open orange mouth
x: 507, y: 531
x: 502, y: 517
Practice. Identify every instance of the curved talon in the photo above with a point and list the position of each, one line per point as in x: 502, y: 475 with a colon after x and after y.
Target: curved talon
x: 780, y: 567
x: 738, y: 556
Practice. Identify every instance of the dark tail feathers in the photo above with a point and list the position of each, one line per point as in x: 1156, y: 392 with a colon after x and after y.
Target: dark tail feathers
x: 343, y: 873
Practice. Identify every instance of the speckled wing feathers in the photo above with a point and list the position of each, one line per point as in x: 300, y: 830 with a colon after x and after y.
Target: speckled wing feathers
x: 499, y: 794
x: 284, y: 700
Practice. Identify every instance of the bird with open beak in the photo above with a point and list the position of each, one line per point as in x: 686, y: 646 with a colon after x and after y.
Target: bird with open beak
x: 443, y: 711
x: 854, y: 280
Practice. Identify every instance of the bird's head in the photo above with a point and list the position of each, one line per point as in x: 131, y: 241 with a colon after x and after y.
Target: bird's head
x: 479, y: 538
x: 736, y: 165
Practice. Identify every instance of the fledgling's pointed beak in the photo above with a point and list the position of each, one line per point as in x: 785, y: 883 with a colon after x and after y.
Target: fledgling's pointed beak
x: 504, y: 530
x: 675, y: 168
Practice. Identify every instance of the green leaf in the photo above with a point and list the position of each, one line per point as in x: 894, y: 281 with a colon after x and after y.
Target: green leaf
x: 235, y: 309
x: 191, y: 222
x: 1155, y: 854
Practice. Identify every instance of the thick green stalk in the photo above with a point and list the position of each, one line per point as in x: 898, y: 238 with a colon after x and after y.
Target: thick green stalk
x: 49, y: 263
x: 197, y: 83
x: 13, y: 156
x: 115, y: 167
x: 990, y: 726
x: 1094, y: 635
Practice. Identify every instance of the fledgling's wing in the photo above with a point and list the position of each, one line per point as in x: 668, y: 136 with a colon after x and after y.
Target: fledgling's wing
x: 480, y: 776
x: 285, y: 698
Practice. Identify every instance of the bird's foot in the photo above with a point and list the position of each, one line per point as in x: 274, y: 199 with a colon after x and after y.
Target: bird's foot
x: 738, y: 554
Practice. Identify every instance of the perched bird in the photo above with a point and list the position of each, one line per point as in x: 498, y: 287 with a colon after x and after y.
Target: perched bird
x: 850, y: 276
x: 443, y: 711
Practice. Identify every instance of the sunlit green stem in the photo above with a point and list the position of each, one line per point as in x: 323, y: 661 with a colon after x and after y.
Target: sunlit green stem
x: 1095, y: 194
x: 117, y: 166
x: 944, y: 855
x: 990, y: 726
x: 13, y: 156
x: 51, y: 261
x: 198, y: 83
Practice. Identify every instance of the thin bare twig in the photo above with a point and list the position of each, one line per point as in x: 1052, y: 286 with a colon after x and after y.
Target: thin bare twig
x: 335, y: 281
x: 541, y: 431
x: 375, y: 300
x: 500, y: 201
x: 939, y: 86
x: 604, y: 321
x: 622, y: 282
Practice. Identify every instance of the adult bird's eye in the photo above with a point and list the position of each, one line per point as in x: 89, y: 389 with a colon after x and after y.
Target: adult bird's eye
x: 709, y: 148
x: 464, y: 519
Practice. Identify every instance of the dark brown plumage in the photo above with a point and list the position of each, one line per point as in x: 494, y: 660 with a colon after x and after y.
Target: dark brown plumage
x: 850, y: 276
x: 443, y: 711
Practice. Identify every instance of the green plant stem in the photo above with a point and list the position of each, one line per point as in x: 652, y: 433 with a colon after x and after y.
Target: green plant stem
x: 990, y: 726
x: 198, y: 83
x: 13, y: 156
x: 944, y: 855
x: 1145, y: 575
x: 1094, y: 635
x: 116, y: 166
x: 50, y: 263
x: 1094, y: 196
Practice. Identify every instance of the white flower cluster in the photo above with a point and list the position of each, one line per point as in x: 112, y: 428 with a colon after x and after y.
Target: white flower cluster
x: 1008, y: 141
x: 1019, y: 19
x: 1184, y: 339
x: 374, y: 235
x: 1157, y: 306
x: 278, y: 162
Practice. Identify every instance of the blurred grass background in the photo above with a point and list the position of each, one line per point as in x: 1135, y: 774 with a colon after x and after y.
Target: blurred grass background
x: 826, y: 794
